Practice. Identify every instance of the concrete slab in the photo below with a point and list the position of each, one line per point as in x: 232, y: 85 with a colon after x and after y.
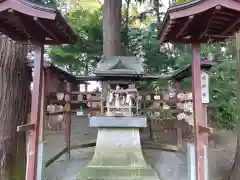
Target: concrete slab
x: 111, y: 121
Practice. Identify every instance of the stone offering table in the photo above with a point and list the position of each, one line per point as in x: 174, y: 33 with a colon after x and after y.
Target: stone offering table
x: 118, y: 154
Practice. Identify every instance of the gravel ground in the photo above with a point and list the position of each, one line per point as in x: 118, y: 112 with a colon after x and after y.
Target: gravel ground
x: 169, y: 166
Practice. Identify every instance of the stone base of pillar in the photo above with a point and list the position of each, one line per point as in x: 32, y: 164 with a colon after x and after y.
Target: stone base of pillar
x: 118, y: 156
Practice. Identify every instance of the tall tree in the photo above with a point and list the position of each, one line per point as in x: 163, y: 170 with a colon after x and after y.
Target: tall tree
x: 111, y: 32
x: 15, y: 94
x: 157, y: 4
x: 111, y: 27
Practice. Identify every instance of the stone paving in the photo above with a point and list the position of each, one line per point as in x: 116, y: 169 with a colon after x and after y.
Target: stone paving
x: 162, y: 162
x: 168, y: 165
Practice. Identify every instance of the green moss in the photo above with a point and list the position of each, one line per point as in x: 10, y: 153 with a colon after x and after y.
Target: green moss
x: 178, y: 2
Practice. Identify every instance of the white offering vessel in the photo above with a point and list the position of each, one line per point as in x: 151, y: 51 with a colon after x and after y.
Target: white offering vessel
x: 117, y: 101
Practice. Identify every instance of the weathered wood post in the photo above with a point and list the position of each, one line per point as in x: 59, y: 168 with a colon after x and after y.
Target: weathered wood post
x: 179, y: 129
x: 68, y: 119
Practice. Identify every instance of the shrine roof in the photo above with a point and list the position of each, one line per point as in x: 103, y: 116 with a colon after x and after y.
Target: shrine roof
x: 63, y: 74
x: 108, y: 78
x: 187, y: 71
x: 177, y: 75
x: 200, y: 21
x: 23, y: 21
x: 120, y: 66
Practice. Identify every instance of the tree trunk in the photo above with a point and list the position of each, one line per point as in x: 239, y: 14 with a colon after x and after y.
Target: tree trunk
x: 15, y: 94
x: 111, y: 32
x: 111, y: 27
x: 156, y: 4
x: 126, y: 38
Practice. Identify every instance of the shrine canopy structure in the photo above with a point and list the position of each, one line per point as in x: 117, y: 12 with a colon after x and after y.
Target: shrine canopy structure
x: 26, y: 22
x: 56, y: 80
x: 196, y: 22
x: 200, y: 21
x: 120, y: 67
x: 117, y: 70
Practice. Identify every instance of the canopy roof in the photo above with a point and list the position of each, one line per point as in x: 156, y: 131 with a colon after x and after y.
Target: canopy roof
x: 201, y: 21
x: 24, y: 21
x: 59, y: 71
x: 187, y: 71
x: 120, y: 66
x: 63, y: 74
x: 177, y: 75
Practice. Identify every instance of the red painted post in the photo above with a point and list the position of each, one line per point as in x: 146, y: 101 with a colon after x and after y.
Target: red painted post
x: 41, y: 129
x: 32, y: 153
x: 198, y: 110
x: 68, y: 122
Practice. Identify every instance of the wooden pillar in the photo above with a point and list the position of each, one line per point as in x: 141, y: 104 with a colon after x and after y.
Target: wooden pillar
x: 197, y: 109
x: 205, y: 141
x: 86, y: 87
x: 68, y: 121
x: 41, y: 129
x: 179, y: 129
x: 32, y: 152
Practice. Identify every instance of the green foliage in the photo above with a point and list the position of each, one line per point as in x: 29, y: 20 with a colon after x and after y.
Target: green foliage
x: 223, y: 88
x: 90, y: 5
x: 221, y: 109
x: 182, y: 1
x: 81, y: 57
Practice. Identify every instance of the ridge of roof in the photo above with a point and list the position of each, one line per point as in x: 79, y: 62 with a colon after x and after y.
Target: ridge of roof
x: 39, y: 6
x: 116, y: 63
x: 185, y: 5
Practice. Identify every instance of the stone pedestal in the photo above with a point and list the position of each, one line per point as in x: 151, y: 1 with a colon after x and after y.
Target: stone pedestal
x: 118, y: 154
